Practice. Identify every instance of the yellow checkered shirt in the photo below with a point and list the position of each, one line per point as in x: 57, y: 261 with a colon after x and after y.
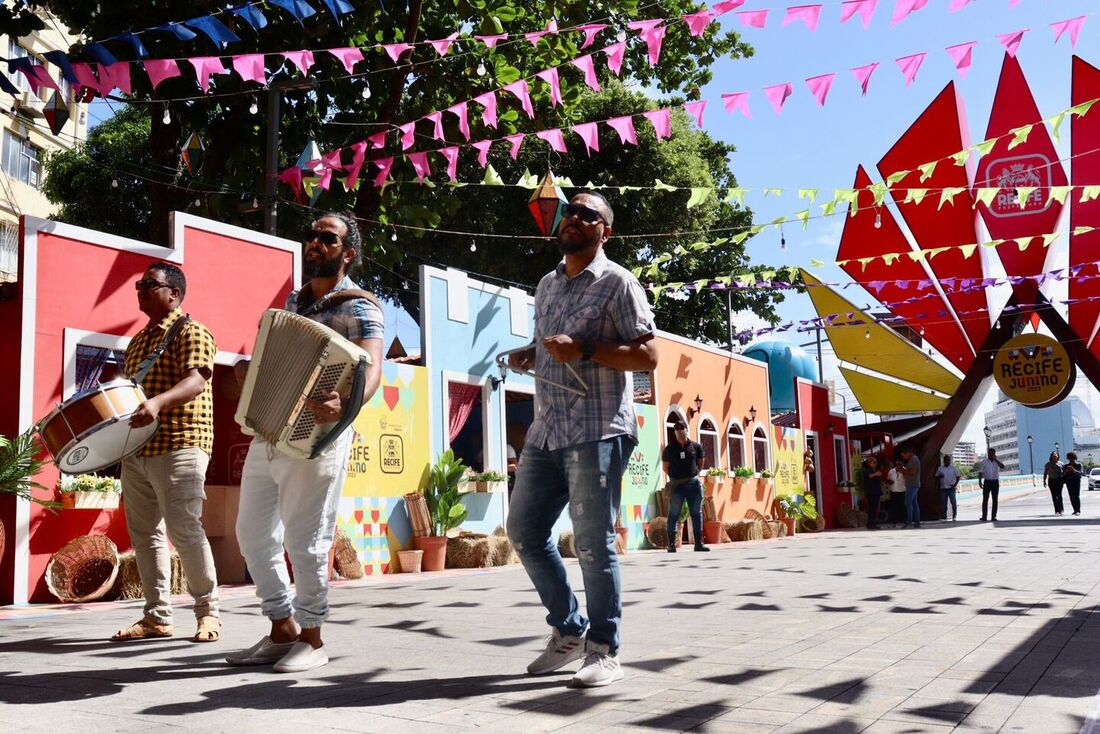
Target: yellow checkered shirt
x: 190, y: 424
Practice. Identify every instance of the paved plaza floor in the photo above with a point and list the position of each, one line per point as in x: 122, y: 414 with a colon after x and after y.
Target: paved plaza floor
x: 961, y: 626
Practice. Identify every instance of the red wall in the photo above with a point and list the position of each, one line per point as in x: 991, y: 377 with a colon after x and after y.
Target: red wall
x: 87, y: 286
x: 814, y: 415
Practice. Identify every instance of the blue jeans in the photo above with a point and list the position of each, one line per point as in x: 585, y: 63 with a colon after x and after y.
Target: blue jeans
x: 912, y: 507
x: 588, y: 478
x: 692, y: 492
x: 947, y: 497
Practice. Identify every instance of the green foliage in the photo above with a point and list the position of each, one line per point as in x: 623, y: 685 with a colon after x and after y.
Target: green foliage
x: 716, y: 471
x: 442, y: 495
x: 334, y: 112
x: 89, y: 483
x: 742, y: 472
x: 765, y: 475
x: 489, y: 476
x: 21, y: 459
x: 798, y: 506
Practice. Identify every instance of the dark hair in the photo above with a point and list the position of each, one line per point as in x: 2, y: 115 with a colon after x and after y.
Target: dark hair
x: 603, y: 200
x: 173, y: 276
x: 677, y: 425
x: 1072, y: 456
x: 352, y: 238
x: 1053, y: 454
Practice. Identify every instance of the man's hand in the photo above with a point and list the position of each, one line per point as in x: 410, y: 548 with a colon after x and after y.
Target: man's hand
x: 562, y: 348
x: 327, y: 410
x: 145, y: 414
x: 240, y: 370
x: 522, y: 361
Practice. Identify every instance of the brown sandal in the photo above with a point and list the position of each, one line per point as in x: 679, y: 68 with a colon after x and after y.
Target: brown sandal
x: 210, y: 629
x: 143, y: 630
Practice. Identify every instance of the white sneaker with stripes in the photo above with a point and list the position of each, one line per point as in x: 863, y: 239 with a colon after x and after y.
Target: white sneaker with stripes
x: 560, y: 651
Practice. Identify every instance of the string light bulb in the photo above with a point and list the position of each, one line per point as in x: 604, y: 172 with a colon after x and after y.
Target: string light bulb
x: 620, y: 36
x: 405, y: 285
x: 114, y: 183
x: 878, y: 219
x: 198, y: 202
x: 473, y: 246
x: 167, y: 119
x: 393, y: 237
x: 481, y: 68
x: 253, y: 108
x: 867, y: 334
x: 366, y: 91
x: 255, y: 203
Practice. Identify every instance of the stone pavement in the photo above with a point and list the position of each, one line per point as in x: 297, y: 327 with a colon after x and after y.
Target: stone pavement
x: 954, y: 627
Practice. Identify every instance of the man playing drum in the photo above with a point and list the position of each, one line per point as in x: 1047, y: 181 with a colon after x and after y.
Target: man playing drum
x: 163, y: 485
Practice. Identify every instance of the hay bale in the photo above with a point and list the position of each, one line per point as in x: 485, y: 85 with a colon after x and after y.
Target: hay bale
x: 128, y: 582
x: 779, y: 528
x: 745, y: 530
x: 565, y: 545
x: 477, y: 550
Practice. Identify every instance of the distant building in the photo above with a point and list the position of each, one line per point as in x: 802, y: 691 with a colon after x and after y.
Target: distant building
x: 26, y: 138
x: 965, y: 453
x: 1051, y: 429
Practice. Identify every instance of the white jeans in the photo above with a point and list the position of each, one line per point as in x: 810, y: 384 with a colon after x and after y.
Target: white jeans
x: 292, y: 503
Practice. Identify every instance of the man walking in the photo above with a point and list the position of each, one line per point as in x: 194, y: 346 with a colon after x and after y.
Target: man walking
x: 682, y: 461
x: 872, y: 490
x: 164, y: 484
x: 989, y: 479
x: 291, y: 502
x: 948, y: 478
x: 590, y: 314
x: 911, y: 472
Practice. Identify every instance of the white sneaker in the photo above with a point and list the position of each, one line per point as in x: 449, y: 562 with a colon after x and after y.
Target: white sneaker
x: 263, y: 652
x: 560, y: 651
x: 600, y: 667
x: 302, y: 657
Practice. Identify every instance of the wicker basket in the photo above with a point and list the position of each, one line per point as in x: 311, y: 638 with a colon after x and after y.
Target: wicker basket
x: 812, y: 526
x: 745, y: 530
x: 410, y: 560
x: 421, y: 521
x: 767, y: 529
x: 84, y: 569
x: 347, y: 560
x: 847, y: 517
x: 709, y: 513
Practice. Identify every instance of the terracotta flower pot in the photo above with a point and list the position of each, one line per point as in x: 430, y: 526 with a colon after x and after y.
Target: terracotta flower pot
x: 792, y: 525
x: 712, y: 532
x: 435, y: 552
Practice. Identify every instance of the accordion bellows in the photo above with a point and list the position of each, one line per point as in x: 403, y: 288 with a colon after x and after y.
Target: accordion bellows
x: 296, y: 358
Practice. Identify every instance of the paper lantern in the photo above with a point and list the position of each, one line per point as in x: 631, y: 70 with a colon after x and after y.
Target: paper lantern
x: 192, y: 153
x: 57, y: 113
x: 546, y: 203
x: 310, y: 159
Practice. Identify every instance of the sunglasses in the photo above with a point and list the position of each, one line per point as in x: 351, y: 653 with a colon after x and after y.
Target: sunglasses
x: 149, y: 284
x: 582, y: 212
x: 326, y: 238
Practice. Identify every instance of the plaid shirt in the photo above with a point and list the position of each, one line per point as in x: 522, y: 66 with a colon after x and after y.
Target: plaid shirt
x: 354, y: 319
x: 190, y: 424
x: 603, y: 303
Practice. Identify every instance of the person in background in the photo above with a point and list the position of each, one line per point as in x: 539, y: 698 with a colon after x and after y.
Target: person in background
x: 895, y: 482
x: 682, y: 461
x: 989, y: 479
x: 872, y: 489
x: 1071, y: 473
x: 1053, y: 479
x: 911, y: 471
x: 948, y: 477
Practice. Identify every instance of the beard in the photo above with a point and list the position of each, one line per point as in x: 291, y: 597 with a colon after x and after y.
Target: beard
x: 323, y: 268
x: 572, y: 247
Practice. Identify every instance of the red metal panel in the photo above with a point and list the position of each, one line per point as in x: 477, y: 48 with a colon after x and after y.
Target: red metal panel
x: 1083, y: 248
x: 936, y: 134
x: 1032, y: 163
x: 861, y: 238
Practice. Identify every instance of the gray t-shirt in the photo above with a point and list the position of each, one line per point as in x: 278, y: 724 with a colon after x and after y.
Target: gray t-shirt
x: 912, y: 473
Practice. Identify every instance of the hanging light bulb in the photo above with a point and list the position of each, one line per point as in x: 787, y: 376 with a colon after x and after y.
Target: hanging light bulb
x: 198, y: 202
x: 253, y: 108
x: 255, y: 203
x: 394, y: 236
x: 878, y: 219
x: 405, y: 284
x: 867, y: 334
x: 922, y: 331
x: 366, y: 91
x: 114, y: 183
x: 167, y: 119
x: 620, y: 36
x: 481, y: 68
x: 473, y: 246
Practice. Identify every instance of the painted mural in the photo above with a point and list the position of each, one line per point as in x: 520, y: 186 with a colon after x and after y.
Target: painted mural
x: 643, y: 475
x: 789, y: 448
x: 389, y: 457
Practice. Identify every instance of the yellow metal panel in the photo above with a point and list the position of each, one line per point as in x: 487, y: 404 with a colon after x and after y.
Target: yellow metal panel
x: 874, y: 346
x: 883, y: 397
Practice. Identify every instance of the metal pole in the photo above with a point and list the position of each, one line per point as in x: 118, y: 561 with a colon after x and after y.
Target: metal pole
x: 820, y: 369
x: 729, y: 316
x: 271, y: 164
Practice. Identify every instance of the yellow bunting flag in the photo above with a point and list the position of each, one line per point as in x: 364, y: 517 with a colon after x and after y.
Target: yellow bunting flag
x: 699, y: 194
x: 927, y: 170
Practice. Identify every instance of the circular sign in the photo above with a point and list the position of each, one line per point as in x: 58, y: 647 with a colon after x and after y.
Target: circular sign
x: 1034, y: 370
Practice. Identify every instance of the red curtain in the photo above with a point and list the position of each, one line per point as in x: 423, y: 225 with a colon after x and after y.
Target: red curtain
x: 463, y: 398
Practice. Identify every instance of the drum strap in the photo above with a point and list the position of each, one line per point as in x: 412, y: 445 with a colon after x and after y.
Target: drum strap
x: 148, y: 362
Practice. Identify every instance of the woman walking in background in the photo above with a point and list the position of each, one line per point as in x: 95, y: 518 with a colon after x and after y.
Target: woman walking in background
x: 1052, y: 478
x: 1071, y: 474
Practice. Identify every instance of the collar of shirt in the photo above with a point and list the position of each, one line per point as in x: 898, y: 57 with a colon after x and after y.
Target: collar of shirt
x: 345, y: 283
x: 166, y: 323
x: 597, y: 267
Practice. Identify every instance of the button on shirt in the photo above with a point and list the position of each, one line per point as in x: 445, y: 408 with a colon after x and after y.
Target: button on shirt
x: 683, y: 459
x: 603, y: 303
x: 990, y: 470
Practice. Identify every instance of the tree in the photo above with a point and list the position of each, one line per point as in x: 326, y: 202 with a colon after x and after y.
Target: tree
x: 333, y: 113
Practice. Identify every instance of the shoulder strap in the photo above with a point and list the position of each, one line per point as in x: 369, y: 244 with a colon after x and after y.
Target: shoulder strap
x: 148, y: 362
x: 335, y: 298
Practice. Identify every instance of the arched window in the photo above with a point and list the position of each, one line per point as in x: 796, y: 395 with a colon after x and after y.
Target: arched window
x: 760, y: 450
x: 708, y: 437
x: 735, y: 447
x: 671, y: 419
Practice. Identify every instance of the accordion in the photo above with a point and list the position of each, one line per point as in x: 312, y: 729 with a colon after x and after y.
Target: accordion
x: 296, y: 359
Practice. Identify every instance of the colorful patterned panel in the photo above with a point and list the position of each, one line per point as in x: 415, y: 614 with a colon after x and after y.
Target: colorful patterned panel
x: 643, y: 475
x: 366, y: 520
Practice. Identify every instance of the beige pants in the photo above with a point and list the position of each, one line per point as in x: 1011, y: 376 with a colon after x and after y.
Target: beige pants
x: 167, y: 492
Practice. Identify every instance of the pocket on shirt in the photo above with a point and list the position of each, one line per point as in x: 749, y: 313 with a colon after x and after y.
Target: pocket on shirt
x: 586, y: 321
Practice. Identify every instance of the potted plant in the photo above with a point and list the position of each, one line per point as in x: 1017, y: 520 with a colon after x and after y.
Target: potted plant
x: 89, y: 492
x: 763, y: 480
x: 445, y: 509
x: 20, y: 460
x: 491, y: 481
x: 714, y: 478
x: 468, y: 482
x: 795, y: 508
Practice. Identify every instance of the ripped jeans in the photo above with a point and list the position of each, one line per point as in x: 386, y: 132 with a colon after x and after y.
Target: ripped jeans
x: 588, y: 478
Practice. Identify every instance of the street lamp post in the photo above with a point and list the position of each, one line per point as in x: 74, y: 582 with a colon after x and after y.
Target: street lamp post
x: 1030, y: 460
x: 988, y: 432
